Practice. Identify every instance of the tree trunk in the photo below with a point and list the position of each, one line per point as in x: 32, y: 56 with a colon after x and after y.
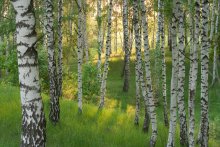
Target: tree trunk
x: 80, y: 53
x: 33, y: 118
x: 146, y: 90
x: 137, y: 107
x: 60, y: 48
x: 212, y: 29
x: 194, y: 45
x: 164, y: 69
x: 181, y: 77
x: 204, y: 128
x: 174, y: 78
x: 108, y: 48
x: 126, y: 47
x: 99, y: 23
x: 54, y: 99
x: 215, y: 69
x: 84, y: 30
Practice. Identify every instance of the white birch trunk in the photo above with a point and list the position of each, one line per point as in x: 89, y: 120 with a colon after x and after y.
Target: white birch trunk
x: 151, y: 105
x: 165, y: 115
x: 212, y: 29
x: 80, y: 53
x: 33, y: 118
x: 60, y: 48
x: 54, y: 99
x: 204, y: 128
x: 126, y: 46
x: 84, y: 30
x: 174, y: 78
x: 181, y: 76
x: 215, y: 70
x: 99, y: 23
x: 108, y: 48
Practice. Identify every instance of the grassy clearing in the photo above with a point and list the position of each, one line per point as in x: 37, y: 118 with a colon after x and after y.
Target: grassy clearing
x: 113, y: 127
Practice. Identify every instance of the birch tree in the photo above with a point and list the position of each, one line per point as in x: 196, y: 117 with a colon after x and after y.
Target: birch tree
x: 84, y: 30
x: 146, y: 89
x: 194, y: 35
x: 165, y: 115
x: 54, y: 99
x: 126, y: 46
x: 107, y: 55
x: 33, y: 118
x: 174, y: 78
x: 181, y: 76
x: 60, y: 49
x: 204, y: 127
x: 215, y: 69
x: 80, y: 53
x: 99, y: 23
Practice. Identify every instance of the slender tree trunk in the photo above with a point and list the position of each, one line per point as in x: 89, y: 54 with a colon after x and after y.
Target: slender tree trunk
x: 193, y: 71
x: 137, y: 107
x: 212, y: 29
x: 165, y: 115
x: 215, y: 69
x: 169, y: 36
x: 54, y: 99
x: 126, y: 47
x: 108, y: 48
x: 151, y: 104
x: 116, y: 34
x: 174, y: 78
x: 7, y: 52
x: 157, y: 56
x: 84, y: 29
x: 80, y: 53
x: 99, y: 22
x: 60, y: 47
x: 181, y: 77
x: 204, y: 128
x: 33, y: 118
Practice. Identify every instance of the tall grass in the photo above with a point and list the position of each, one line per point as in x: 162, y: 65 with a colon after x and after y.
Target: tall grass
x: 112, y: 127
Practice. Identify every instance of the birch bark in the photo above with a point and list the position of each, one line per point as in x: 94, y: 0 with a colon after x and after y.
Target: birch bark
x: 33, y: 118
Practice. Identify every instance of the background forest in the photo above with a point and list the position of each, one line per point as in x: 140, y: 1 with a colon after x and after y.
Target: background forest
x: 109, y: 73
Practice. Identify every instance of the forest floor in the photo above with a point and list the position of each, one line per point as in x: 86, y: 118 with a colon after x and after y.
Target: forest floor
x: 112, y: 127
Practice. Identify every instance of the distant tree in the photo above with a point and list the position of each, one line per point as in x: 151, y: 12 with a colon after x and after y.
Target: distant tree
x: 54, y: 99
x: 60, y: 48
x: 107, y: 55
x: 33, y: 118
x: 80, y: 53
x: 126, y: 46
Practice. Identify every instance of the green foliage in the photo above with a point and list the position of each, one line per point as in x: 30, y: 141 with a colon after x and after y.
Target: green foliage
x: 43, y: 69
x: 91, y: 85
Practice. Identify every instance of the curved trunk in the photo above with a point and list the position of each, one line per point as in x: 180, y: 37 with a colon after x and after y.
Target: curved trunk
x: 33, y: 118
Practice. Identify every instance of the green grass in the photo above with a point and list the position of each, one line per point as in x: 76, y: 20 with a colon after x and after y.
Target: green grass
x: 112, y: 127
